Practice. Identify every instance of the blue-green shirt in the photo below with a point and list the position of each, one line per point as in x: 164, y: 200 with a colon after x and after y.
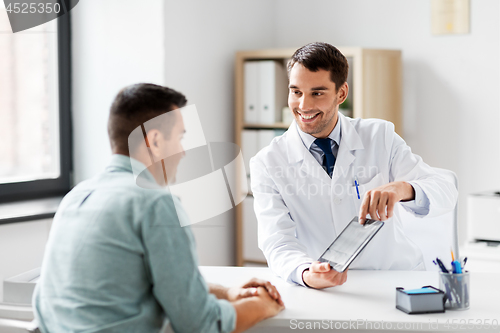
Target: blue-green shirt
x: 117, y: 260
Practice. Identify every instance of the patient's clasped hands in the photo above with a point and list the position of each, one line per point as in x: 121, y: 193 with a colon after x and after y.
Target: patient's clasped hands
x: 251, y: 288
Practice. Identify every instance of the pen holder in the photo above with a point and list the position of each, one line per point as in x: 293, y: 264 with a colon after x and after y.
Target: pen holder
x: 457, y: 289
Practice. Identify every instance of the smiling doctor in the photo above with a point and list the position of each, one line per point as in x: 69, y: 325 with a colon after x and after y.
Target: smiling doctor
x: 304, y: 187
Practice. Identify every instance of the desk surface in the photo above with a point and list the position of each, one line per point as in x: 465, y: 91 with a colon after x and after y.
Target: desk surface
x: 369, y: 298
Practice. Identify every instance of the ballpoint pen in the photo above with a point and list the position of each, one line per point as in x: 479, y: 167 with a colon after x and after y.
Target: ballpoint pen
x: 441, y: 266
x: 464, y: 262
x: 357, y: 185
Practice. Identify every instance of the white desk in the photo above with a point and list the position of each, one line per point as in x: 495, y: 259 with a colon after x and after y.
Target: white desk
x: 19, y: 312
x: 368, y: 298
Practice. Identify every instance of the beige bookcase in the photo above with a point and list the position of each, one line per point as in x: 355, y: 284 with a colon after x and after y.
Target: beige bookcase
x: 375, y: 91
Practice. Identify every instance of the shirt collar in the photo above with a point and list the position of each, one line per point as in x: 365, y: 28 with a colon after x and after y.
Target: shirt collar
x: 125, y: 163
x: 308, y: 139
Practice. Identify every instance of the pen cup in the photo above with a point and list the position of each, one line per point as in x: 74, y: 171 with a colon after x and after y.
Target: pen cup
x: 457, y: 289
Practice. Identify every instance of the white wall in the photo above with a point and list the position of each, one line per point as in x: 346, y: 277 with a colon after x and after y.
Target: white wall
x: 115, y: 43
x: 451, y: 83
x: 201, y: 39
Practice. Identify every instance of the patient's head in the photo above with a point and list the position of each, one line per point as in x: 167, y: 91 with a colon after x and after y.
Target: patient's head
x: 150, y: 108
x: 136, y: 104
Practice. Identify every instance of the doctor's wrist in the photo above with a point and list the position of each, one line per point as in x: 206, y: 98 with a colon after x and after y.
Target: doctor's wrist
x: 407, y: 191
x: 304, y: 272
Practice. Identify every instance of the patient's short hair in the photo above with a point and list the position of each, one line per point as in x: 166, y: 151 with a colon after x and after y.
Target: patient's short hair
x: 136, y: 104
x: 316, y: 56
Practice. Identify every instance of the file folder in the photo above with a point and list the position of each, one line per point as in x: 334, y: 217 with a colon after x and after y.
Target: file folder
x: 273, y: 86
x: 251, y: 97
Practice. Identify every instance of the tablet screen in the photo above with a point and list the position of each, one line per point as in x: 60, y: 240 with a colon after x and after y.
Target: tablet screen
x: 350, y: 243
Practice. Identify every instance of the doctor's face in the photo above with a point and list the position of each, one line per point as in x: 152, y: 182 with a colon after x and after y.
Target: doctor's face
x: 314, y: 100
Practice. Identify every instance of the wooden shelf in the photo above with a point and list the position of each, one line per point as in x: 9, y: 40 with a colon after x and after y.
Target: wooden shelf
x: 266, y: 126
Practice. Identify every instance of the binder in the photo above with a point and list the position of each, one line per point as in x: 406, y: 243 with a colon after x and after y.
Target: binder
x: 273, y: 91
x: 251, y: 97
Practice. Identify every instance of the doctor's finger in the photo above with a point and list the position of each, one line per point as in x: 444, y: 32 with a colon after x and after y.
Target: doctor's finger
x: 374, y: 200
x: 319, y: 267
x: 382, y: 205
x: 390, y: 206
x: 344, y: 277
x: 363, y: 210
x: 337, y: 279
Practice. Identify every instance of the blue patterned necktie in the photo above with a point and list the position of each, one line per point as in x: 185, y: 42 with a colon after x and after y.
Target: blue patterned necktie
x: 329, y: 160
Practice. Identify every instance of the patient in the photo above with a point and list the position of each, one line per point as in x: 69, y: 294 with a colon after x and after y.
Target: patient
x: 117, y: 258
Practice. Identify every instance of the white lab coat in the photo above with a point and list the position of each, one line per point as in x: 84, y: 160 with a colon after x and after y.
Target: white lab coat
x: 300, y: 209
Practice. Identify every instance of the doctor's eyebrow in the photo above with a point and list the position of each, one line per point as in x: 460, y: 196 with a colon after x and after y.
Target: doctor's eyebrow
x: 314, y: 88
x: 319, y: 88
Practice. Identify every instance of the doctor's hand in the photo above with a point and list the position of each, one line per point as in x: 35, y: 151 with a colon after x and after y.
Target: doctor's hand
x: 380, y: 201
x: 320, y: 275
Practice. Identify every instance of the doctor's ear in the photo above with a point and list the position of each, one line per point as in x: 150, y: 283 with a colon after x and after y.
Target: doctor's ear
x: 342, y: 93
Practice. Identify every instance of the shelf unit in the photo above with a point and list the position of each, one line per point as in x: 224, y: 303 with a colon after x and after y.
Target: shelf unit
x: 375, y: 87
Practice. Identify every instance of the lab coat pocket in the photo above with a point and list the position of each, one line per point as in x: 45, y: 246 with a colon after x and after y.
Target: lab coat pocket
x: 376, y: 181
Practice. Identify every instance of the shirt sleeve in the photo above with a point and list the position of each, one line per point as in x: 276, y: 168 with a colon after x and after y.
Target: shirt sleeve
x: 420, y: 205
x: 177, y: 283
x: 297, y: 275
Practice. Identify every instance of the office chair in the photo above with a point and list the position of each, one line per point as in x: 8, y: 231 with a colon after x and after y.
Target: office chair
x: 18, y: 326
x: 435, y: 236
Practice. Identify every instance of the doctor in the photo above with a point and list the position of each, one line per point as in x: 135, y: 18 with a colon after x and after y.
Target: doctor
x: 304, y: 181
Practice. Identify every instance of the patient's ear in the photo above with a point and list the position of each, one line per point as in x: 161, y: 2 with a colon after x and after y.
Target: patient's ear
x: 153, y: 139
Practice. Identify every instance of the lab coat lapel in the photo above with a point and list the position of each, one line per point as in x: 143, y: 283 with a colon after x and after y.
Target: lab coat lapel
x: 349, y: 142
x: 297, y: 152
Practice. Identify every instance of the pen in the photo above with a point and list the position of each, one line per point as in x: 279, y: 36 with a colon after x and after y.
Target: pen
x: 464, y: 262
x: 442, y: 266
x: 357, y: 185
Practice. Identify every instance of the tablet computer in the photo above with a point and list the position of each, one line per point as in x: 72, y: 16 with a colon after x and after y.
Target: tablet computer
x: 351, y: 241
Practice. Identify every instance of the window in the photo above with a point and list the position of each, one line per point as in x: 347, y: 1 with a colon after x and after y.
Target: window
x: 35, y: 128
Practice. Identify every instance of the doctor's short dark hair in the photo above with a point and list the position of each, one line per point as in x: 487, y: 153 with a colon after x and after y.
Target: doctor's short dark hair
x: 316, y: 56
x: 136, y: 104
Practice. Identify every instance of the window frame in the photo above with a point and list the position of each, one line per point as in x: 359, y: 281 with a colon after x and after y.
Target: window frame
x: 44, y: 188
